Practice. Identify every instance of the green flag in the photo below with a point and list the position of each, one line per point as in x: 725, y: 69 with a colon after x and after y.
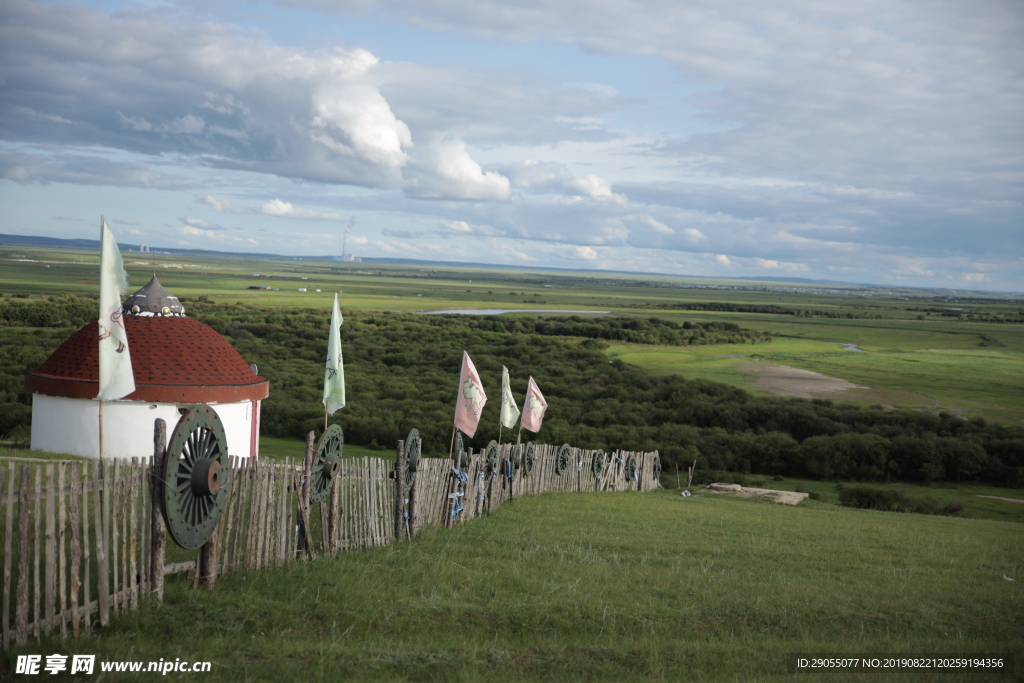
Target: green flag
x: 509, y: 409
x: 334, y: 375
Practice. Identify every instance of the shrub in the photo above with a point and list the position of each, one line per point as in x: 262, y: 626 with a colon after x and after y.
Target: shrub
x: 871, y: 498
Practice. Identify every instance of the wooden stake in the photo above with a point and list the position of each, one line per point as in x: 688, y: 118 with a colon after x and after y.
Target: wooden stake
x: 307, y: 467
x: 8, y: 533
x: 158, y: 532
x: 76, y: 548
x: 102, y: 515
x: 206, y: 569
x: 51, y: 548
x: 399, y: 489
x: 24, y: 553
x: 61, y: 561
x: 36, y: 537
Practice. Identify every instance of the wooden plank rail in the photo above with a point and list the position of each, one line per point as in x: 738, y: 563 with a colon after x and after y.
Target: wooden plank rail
x: 83, y: 539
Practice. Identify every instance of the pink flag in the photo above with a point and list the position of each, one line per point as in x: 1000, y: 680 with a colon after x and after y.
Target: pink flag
x: 471, y: 398
x: 533, y: 407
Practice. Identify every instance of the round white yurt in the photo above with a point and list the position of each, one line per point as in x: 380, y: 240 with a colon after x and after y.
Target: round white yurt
x: 177, y: 362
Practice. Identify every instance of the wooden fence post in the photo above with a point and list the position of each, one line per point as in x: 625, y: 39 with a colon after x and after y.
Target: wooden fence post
x: 24, y: 538
x: 206, y: 567
x: 414, y: 495
x: 307, y: 467
x: 158, y: 528
x: 399, y: 490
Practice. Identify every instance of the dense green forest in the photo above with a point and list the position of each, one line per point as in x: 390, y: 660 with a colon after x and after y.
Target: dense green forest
x: 402, y: 372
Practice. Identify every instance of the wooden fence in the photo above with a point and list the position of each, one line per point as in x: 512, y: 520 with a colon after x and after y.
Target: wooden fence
x: 81, y: 540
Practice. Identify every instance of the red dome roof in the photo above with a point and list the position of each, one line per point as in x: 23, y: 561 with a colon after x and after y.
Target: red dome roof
x: 175, y: 360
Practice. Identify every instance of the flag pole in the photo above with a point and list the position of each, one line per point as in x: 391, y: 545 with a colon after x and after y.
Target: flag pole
x: 451, y: 447
x: 520, y: 433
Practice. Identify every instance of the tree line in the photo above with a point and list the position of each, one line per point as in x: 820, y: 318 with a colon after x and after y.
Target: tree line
x: 402, y: 371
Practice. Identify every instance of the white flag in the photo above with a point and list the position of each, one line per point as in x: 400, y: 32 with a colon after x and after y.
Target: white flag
x: 534, y: 407
x: 470, y: 404
x: 116, y: 377
x: 509, y: 409
x: 334, y: 376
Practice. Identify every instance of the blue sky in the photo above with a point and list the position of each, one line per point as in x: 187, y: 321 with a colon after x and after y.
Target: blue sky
x: 877, y: 142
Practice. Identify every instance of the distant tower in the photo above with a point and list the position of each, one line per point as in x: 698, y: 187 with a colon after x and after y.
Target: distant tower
x: 344, y: 240
x: 177, y: 361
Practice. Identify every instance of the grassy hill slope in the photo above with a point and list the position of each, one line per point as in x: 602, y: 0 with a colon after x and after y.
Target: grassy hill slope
x: 605, y: 587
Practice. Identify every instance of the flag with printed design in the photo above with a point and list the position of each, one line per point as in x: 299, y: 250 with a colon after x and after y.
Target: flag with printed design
x: 116, y: 377
x: 509, y: 409
x: 534, y: 407
x: 472, y: 398
x: 334, y: 375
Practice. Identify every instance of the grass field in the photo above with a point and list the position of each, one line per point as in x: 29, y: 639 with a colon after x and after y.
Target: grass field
x: 275, y: 447
x: 980, y: 502
x: 910, y: 359
x: 605, y: 587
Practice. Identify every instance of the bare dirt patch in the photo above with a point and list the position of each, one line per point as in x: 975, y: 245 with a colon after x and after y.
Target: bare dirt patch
x: 786, y: 497
x: 784, y: 380
x: 1009, y: 500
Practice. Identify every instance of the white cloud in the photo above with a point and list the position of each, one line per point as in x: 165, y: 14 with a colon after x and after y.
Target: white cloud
x: 597, y: 188
x: 443, y: 169
x: 458, y: 226
x: 197, y: 232
x: 277, y: 207
x: 219, y: 205
x: 723, y: 260
x: 787, y: 266
x: 585, y: 253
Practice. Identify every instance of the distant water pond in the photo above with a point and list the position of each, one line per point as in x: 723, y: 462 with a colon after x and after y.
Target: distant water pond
x: 849, y: 347
x: 499, y: 311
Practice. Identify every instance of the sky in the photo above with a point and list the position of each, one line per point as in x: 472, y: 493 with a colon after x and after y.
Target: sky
x: 880, y: 141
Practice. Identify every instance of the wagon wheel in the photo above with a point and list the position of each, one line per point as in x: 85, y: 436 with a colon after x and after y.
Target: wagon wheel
x: 412, y: 459
x: 517, y: 457
x: 327, y: 464
x: 528, y: 459
x: 459, y: 453
x: 597, y: 464
x: 195, y: 473
x: 562, y: 462
x: 492, y: 458
x: 657, y: 468
x: 631, y: 468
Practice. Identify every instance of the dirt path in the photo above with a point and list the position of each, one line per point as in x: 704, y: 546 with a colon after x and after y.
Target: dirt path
x: 783, y: 380
x: 787, y: 497
x: 1009, y: 500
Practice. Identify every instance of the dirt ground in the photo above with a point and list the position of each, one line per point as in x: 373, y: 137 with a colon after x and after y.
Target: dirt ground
x: 786, y: 497
x: 783, y: 380
x: 1010, y: 500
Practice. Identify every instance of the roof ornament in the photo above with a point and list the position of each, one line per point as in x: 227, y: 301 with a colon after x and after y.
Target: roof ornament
x: 153, y: 300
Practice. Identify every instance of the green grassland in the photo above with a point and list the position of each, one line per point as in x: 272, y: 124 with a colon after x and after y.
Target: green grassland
x: 966, y: 380
x: 623, y: 586
x: 278, y: 448
x: 971, y: 495
x: 915, y: 356
x: 604, y: 587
